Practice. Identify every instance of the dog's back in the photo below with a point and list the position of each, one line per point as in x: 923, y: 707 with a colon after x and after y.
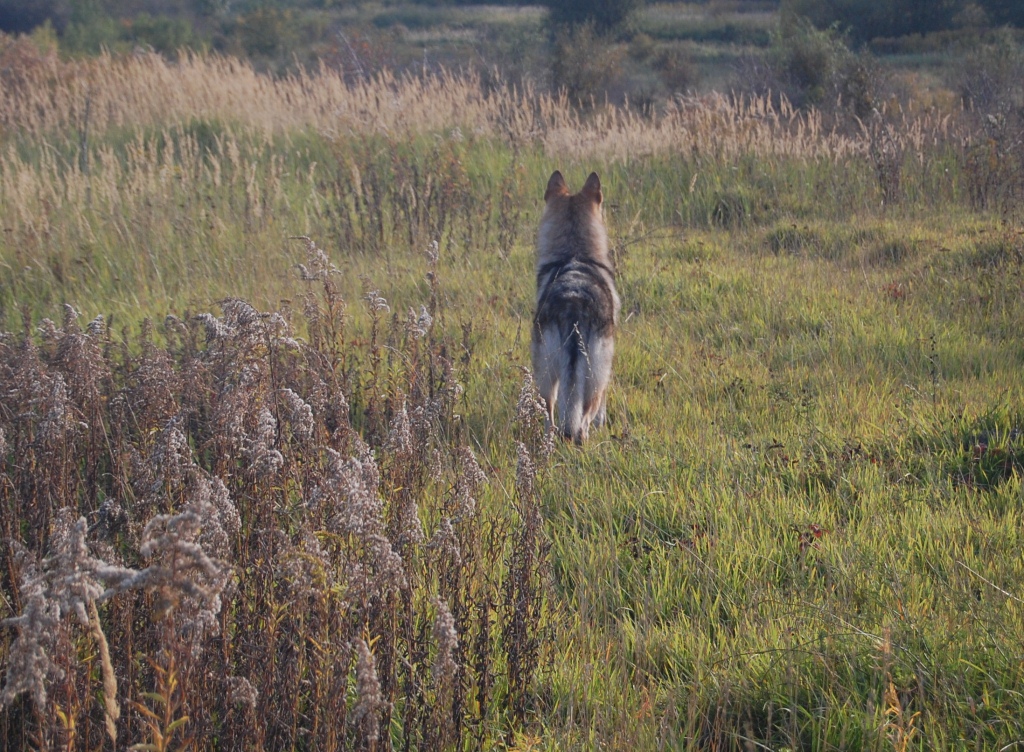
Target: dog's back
x: 577, y: 308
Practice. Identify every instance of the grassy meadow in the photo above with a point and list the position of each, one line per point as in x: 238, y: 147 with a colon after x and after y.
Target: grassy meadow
x: 327, y: 517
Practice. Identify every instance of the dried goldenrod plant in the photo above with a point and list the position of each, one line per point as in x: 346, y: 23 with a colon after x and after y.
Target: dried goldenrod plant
x: 269, y: 538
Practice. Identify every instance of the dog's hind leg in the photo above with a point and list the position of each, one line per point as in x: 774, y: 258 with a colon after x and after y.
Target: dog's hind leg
x: 602, y: 350
x: 602, y: 411
x: 545, y: 352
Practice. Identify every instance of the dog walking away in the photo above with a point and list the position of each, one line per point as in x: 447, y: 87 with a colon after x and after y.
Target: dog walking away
x: 577, y: 308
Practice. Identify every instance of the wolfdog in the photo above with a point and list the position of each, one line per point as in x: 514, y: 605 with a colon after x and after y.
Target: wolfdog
x: 577, y: 308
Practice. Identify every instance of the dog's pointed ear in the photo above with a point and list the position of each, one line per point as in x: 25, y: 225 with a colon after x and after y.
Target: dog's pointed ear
x: 592, y: 188
x: 556, y: 186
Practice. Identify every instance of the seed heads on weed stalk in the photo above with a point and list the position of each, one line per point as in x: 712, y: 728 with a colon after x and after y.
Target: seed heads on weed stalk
x: 242, y: 693
x: 445, y: 670
x: 30, y: 666
x: 299, y: 414
x: 444, y: 545
x: 886, y: 150
x: 471, y: 480
x: 523, y: 596
x: 370, y: 702
x: 72, y: 581
x: 253, y: 531
x: 529, y: 420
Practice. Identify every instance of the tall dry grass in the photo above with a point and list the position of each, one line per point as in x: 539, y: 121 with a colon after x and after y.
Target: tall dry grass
x: 192, y: 165
x: 146, y: 90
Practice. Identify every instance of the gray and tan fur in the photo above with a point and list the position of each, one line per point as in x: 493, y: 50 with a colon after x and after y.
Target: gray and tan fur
x: 577, y: 308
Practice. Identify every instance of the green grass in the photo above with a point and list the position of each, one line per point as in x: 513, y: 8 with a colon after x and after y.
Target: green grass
x: 803, y: 526
x: 758, y: 396
x: 742, y: 27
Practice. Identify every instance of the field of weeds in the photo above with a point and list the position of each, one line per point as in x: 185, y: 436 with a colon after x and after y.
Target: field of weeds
x: 273, y: 474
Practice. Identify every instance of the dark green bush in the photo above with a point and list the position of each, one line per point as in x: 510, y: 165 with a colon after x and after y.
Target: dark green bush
x: 815, y: 67
x: 805, y: 62
x: 604, y: 14
x: 90, y: 29
x: 866, y: 19
x: 991, y: 83
x: 1004, y: 11
x: 584, y: 64
x: 265, y: 31
x: 991, y: 76
x: 677, y: 69
x: 162, y: 33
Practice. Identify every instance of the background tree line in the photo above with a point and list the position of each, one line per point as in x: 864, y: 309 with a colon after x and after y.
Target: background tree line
x: 863, y: 20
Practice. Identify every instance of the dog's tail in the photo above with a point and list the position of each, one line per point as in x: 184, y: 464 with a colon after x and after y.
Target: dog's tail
x: 574, y: 380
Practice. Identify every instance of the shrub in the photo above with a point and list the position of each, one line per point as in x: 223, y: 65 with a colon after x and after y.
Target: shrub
x: 991, y: 84
x: 90, y: 30
x: 641, y: 46
x: 162, y: 33
x: 866, y: 19
x: 265, y: 31
x: 676, y: 68
x: 1004, y: 11
x: 991, y: 76
x: 807, y: 59
x: 26, y: 57
x: 811, y: 66
x: 604, y: 14
x: 584, y: 64
x: 886, y: 152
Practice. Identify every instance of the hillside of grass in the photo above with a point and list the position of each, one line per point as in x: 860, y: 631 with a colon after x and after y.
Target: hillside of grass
x: 288, y: 488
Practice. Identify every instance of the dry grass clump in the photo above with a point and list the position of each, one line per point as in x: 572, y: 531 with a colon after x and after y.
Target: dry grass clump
x: 146, y: 90
x: 258, y: 538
